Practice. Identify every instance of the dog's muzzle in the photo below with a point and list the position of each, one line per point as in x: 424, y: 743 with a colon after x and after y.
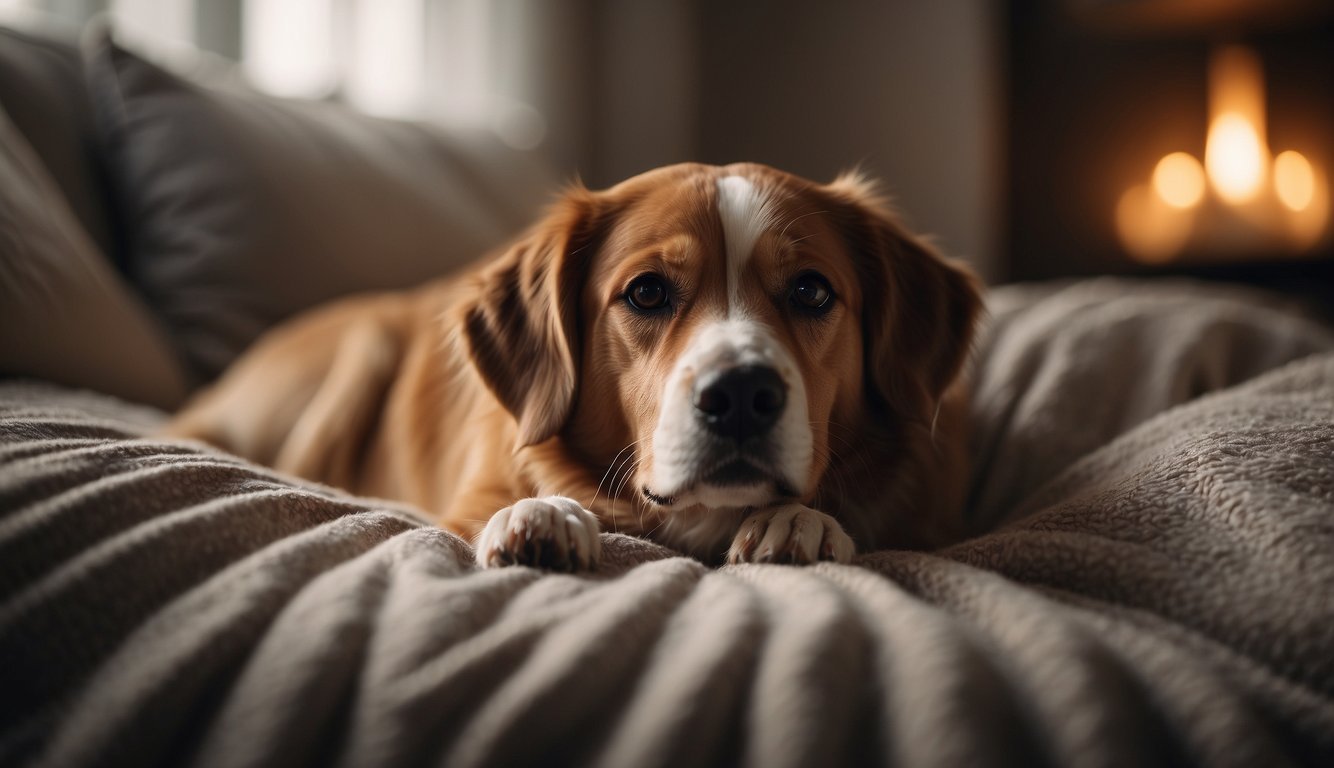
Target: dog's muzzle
x: 733, y: 430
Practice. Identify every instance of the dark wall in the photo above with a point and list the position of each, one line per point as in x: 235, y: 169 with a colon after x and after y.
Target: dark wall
x: 907, y: 90
x: 1093, y: 106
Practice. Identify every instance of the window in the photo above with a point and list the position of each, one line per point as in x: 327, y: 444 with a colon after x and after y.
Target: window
x: 440, y: 60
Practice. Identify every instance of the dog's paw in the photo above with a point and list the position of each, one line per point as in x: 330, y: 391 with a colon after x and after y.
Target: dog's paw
x: 790, y: 533
x: 552, y: 532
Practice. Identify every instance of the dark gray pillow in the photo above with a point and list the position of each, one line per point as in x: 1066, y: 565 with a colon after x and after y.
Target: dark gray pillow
x: 65, y: 315
x: 42, y: 89
x: 243, y: 209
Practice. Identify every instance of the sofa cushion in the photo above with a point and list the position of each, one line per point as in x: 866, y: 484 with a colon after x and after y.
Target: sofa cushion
x: 42, y: 88
x: 65, y: 315
x: 242, y: 209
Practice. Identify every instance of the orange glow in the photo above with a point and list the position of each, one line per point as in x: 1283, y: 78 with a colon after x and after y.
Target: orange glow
x: 1294, y: 180
x: 1151, y: 230
x: 1307, y: 226
x: 1235, y: 159
x: 1241, y: 198
x: 1236, y: 152
x: 1179, y: 180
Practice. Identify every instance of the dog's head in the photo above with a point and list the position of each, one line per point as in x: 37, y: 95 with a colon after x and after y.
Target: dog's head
x: 713, y: 323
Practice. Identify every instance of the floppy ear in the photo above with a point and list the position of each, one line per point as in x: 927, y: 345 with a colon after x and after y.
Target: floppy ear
x: 919, y: 309
x: 522, y: 327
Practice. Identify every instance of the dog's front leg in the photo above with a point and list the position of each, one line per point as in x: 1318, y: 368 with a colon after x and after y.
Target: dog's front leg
x: 790, y: 533
x: 553, y: 532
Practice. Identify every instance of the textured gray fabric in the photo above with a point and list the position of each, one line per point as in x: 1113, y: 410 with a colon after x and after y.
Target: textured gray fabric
x: 242, y: 209
x: 1161, y: 598
x: 1069, y: 367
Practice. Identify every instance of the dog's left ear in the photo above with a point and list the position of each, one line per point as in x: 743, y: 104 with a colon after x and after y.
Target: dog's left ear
x: 522, y: 327
x: 920, y: 309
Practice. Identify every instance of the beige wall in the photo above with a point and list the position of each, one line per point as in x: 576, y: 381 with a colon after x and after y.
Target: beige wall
x: 907, y: 89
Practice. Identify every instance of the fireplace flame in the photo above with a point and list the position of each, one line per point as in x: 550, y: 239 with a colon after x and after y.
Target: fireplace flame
x: 1234, y: 158
x: 1258, y: 200
x: 1179, y: 180
x: 1294, y: 181
x: 1236, y: 152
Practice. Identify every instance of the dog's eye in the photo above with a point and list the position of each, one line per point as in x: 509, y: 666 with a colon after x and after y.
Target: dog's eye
x: 811, y: 292
x: 647, y: 293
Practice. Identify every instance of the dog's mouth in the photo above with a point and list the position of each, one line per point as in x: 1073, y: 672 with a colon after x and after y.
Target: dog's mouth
x: 736, y: 472
x: 735, y: 476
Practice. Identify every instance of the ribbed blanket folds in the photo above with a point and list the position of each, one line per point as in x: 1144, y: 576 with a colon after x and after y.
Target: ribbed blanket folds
x: 1156, y: 463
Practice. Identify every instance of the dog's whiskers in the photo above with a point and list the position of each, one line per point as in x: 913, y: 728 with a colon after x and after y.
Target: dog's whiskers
x: 611, y: 467
x: 797, y: 218
x: 858, y: 451
x: 613, y: 470
x: 661, y: 523
x: 630, y: 469
x: 829, y: 456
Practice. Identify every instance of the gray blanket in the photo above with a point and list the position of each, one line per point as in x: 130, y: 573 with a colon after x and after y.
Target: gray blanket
x: 1155, y: 467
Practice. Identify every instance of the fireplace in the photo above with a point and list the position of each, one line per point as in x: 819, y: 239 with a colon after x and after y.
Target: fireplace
x: 1171, y: 137
x: 1240, y: 199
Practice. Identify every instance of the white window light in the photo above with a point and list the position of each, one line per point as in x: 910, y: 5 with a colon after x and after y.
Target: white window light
x: 384, y: 72
x: 288, y: 46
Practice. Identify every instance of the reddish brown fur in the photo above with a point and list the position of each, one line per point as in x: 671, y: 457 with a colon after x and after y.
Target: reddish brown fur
x: 522, y: 377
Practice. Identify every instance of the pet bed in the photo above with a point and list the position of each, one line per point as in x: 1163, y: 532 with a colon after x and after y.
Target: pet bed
x: 1154, y: 467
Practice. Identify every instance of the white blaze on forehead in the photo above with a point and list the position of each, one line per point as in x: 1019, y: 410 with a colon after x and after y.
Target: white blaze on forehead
x: 682, y: 443
x: 746, y: 212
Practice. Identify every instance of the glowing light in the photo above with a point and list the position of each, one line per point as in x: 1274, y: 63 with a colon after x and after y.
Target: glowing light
x: 1306, y: 227
x: 1235, y: 158
x: 1236, y: 151
x: 1294, y: 180
x: 1152, y: 231
x: 1234, y: 202
x: 1179, y: 180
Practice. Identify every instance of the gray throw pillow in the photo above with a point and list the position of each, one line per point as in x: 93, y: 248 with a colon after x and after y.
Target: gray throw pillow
x: 65, y: 315
x: 243, y: 209
x: 42, y: 88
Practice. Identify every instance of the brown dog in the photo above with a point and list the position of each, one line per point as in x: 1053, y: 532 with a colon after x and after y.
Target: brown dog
x: 733, y: 361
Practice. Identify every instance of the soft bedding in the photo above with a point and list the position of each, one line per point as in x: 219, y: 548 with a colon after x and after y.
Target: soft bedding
x: 1154, y: 494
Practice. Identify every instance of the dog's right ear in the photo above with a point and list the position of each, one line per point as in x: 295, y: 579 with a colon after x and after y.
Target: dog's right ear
x: 522, y: 326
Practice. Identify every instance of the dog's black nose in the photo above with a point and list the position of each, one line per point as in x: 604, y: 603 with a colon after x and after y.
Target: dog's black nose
x: 741, y: 402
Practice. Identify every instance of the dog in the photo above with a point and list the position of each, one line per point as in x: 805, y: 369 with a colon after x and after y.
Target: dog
x: 736, y: 362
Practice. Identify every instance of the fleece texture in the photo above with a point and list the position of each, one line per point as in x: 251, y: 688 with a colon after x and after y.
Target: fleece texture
x: 1151, y: 581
